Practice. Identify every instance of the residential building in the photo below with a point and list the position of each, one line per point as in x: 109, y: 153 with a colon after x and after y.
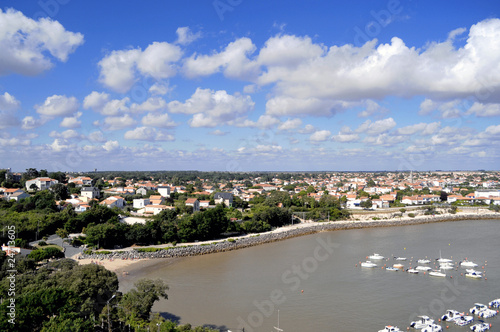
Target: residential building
x: 156, y: 200
x: 13, y: 194
x: 81, y: 181
x: 141, y: 203
x: 226, y: 198
x: 194, y: 202
x: 164, y: 191
x: 90, y: 192
x: 41, y: 183
x: 114, y: 201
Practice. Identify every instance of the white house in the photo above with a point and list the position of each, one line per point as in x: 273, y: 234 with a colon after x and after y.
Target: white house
x: 164, y: 191
x: 41, y: 183
x: 114, y: 201
x: 140, y: 203
x: 90, y: 192
x: 81, y: 181
x: 13, y: 194
x: 195, y: 203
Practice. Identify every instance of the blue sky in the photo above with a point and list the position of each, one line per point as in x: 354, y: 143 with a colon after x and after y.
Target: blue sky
x: 239, y: 85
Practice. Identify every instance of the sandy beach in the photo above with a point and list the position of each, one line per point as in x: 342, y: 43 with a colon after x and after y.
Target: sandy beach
x: 124, y: 265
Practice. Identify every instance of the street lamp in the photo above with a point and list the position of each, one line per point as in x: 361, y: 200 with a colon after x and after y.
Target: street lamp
x: 107, y: 303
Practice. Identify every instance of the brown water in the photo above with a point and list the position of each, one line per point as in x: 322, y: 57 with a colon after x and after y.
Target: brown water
x: 314, y: 283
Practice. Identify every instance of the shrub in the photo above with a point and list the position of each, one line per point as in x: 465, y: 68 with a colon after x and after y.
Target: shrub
x: 42, y: 243
x: 411, y: 215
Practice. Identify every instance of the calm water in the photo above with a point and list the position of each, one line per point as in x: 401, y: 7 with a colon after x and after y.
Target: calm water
x: 318, y: 289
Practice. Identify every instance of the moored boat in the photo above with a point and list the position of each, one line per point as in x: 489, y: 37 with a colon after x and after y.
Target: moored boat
x: 436, y: 273
x: 368, y: 264
x: 480, y: 327
x: 376, y: 256
x: 495, y: 303
x: 422, y: 322
x: 390, y: 328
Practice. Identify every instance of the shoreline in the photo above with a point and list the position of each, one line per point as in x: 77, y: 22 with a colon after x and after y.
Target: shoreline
x: 118, y: 260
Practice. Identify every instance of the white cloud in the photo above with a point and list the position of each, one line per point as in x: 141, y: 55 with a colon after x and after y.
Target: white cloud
x: 118, y: 122
x: 185, y: 36
x: 290, y: 124
x: 57, y: 105
x: 232, y: 61
x: 384, y: 140
x: 148, y: 134
x: 119, y: 69
x: 111, y: 146
x: 29, y: 123
x: 212, y: 108
x: 218, y: 132
x: 97, y: 136
x: 493, y: 130
x: 422, y: 128
x: 320, y: 136
x: 25, y: 43
x: 14, y: 142
x: 72, y: 122
x: 283, y: 105
x: 484, y: 110
x: 264, y: 122
x: 151, y: 104
x: 308, y: 129
x: 346, y: 135
x: 288, y: 51
x: 377, y: 127
x: 372, y: 108
x: 59, y: 145
x: 159, y: 89
x: 96, y: 101
x: 8, y: 102
x: 67, y: 134
x: 158, y: 120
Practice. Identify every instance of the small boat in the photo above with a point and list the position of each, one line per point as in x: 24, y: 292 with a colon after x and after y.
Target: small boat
x: 422, y: 322
x: 480, y: 327
x: 423, y: 261
x: 436, y: 273
x: 391, y: 269
x: 423, y: 268
x: 376, y: 256
x: 390, y: 328
x: 450, y: 316
x: 400, y: 258
x: 443, y: 260
x: 412, y: 271
x: 432, y: 328
x: 464, y: 320
x: 487, y: 313
x: 368, y: 264
x: 474, y: 275
x: 468, y: 264
x: 398, y: 266
x: 478, y: 307
x: 495, y: 303
x: 473, y: 271
x: 447, y: 266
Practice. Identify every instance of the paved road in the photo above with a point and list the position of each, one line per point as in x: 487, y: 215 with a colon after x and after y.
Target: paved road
x: 69, y: 250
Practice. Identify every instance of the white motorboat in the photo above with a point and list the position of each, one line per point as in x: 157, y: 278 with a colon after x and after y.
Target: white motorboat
x: 473, y: 271
x: 432, y: 328
x: 412, y: 271
x: 480, y: 327
x: 398, y: 266
x: 423, y: 268
x: 390, y: 328
x: 495, y: 303
x: 368, y: 264
x: 400, y: 258
x: 468, y: 264
x: 422, y: 322
x: 443, y: 260
x: 436, y: 273
x: 487, y: 313
x: 450, y: 316
x: 446, y: 266
x: 392, y: 269
x: 474, y: 275
x: 464, y: 320
x: 376, y: 257
x: 423, y: 261
x: 477, y: 308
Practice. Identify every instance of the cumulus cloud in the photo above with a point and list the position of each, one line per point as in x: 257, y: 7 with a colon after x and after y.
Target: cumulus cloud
x: 72, y: 121
x: 67, y: 134
x: 151, y: 104
x: 421, y: 128
x: 8, y: 105
x: 376, y: 128
x: 346, y: 135
x: 159, y: 89
x: 97, y: 136
x: 320, y: 136
x: 284, y: 105
x: 232, y: 61
x: 101, y: 103
x: 14, y: 141
x: 57, y: 105
x: 148, y: 134
x: 95, y: 100
x: 29, y: 122
x: 158, y: 120
x: 111, y: 146
x: 26, y: 43
x: 185, y: 36
x: 372, y: 108
x: 118, y: 122
x: 484, y: 110
x: 446, y: 110
x: 212, y: 108
x: 119, y: 69
x: 290, y: 124
x: 218, y: 132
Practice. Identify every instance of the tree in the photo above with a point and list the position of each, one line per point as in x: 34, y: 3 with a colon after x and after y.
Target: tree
x: 60, y: 191
x: 367, y: 204
x: 62, y: 233
x: 135, y: 306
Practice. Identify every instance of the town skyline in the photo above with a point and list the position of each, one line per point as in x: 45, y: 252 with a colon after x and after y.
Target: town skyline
x: 387, y: 86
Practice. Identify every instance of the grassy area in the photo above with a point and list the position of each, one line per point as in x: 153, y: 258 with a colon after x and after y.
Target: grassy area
x: 48, y: 246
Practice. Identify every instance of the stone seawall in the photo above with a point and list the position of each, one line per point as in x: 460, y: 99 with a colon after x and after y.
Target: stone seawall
x: 244, y: 242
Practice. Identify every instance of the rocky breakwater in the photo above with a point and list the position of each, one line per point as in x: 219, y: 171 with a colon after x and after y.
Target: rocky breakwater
x: 249, y: 241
